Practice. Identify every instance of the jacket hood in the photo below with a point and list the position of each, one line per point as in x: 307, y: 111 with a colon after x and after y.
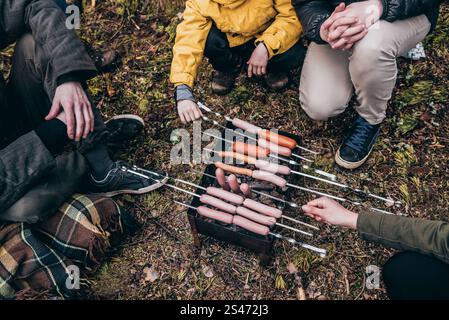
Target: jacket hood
x: 230, y: 3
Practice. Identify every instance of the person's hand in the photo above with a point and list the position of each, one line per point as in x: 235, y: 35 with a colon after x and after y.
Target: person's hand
x: 342, y: 34
x: 79, y: 117
x: 324, y: 29
x: 344, y: 38
x: 367, y: 12
x: 257, y: 64
x: 188, y: 111
x: 329, y: 211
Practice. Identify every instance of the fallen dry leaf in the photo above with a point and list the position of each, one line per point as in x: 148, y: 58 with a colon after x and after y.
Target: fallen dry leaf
x: 208, y: 271
x: 292, y: 268
x: 150, y: 275
x: 301, y: 295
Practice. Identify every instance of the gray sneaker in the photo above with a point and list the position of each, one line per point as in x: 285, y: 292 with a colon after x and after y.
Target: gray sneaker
x: 123, y: 179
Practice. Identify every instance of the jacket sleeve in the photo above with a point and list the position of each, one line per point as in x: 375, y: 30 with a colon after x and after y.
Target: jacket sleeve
x: 403, y: 9
x: 412, y: 234
x: 312, y: 14
x: 47, y: 23
x: 48, y: 194
x: 285, y: 30
x: 188, y: 51
x: 22, y: 164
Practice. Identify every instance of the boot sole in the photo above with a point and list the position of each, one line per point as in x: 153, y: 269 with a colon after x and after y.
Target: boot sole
x: 221, y: 92
x: 278, y: 89
x: 350, y: 165
x: 127, y: 116
x: 130, y: 191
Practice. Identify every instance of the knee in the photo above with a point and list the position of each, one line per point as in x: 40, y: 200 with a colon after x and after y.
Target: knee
x: 216, y: 42
x: 391, y: 268
x: 316, y: 112
x: 25, y: 47
x: 370, y: 52
x: 321, y: 108
x: 400, y: 283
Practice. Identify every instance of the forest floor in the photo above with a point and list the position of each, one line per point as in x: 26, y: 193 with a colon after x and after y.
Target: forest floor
x: 409, y: 162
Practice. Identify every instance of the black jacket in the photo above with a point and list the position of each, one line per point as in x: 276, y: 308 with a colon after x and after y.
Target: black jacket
x: 312, y: 13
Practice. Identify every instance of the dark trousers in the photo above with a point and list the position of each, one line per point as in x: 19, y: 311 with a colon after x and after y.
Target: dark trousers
x: 226, y: 59
x: 410, y: 275
x: 29, y: 91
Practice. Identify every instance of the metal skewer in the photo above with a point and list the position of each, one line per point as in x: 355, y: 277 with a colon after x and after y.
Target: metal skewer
x: 320, y: 172
x: 320, y: 251
x: 198, y: 196
x: 356, y: 203
x: 291, y: 204
x: 251, y: 138
x: 293, y: 162
x: 341, y: 185
x: 344, y: 186
x: 202, y: 106
x: 203, y: 188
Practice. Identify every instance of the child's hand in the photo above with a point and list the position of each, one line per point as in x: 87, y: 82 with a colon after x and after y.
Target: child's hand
x: 188, y: 111
x: 330, y: 212
x: 257, y: 64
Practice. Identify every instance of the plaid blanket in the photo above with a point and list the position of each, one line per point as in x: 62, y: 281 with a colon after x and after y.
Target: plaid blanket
x: 43, y: 257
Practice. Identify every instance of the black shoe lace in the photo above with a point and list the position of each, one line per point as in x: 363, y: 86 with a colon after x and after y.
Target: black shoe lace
x: 360, y: 132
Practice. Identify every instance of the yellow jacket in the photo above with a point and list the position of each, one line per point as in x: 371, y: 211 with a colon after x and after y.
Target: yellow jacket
x: 272, y: 21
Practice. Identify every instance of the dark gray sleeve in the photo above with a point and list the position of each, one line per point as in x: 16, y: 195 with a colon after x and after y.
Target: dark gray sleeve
x: 412, y: 234
x: 22, y: 163
x: 50, y: 193
x: 183, y: 92
x: 47, y: 23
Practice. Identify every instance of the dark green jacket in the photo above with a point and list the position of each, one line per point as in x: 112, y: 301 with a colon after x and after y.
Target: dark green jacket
x: 412, y: 234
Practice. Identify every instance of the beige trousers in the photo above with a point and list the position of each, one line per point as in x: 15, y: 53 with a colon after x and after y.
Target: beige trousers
x: 329, y: 77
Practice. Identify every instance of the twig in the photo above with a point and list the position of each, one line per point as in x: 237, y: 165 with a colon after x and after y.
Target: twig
x: 160, y: 225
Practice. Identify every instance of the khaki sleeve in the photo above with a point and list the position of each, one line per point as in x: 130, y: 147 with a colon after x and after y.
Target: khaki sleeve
x: 285, y: 30
x: 188, y: 51
x: 412, y: 234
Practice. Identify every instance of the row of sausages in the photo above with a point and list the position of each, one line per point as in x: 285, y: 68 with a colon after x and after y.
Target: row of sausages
x: 256, y: 174
x: 233, y: 219
x: 245, y: 212
x: 237, y: 209
x: 240, y: 205
x: 267, y: 135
